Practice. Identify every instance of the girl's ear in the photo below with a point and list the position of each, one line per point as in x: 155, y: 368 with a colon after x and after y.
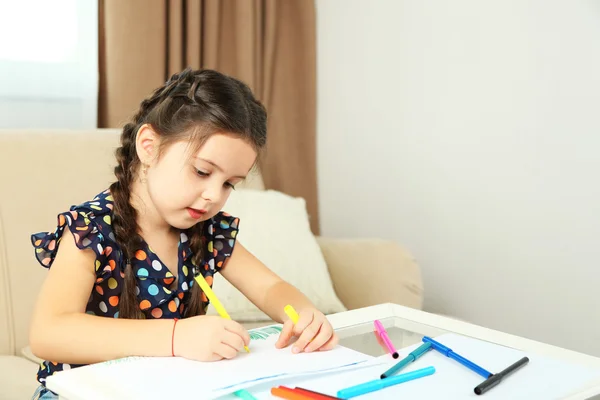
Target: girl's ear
x: 146, y: 144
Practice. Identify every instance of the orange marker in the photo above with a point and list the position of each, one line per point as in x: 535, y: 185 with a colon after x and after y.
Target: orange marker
x: 289, y: 394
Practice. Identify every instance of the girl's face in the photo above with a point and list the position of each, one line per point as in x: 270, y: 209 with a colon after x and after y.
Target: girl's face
x: 188, y: 188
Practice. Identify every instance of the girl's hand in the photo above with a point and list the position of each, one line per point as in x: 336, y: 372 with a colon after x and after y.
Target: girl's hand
x: 209, y: 338
x: 313, y: 330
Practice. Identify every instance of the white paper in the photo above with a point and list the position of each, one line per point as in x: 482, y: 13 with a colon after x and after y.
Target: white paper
x: 168, y: 377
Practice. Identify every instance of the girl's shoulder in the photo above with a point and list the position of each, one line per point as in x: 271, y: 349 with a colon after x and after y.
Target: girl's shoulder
x: 93, y: 217
x: 101, y: 204
x: 90, y: 224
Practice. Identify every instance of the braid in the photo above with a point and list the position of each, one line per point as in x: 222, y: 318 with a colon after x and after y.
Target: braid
x: 157, y: 97
x: 196, y: 305
x: 148, y: 105
x: 124, y: 218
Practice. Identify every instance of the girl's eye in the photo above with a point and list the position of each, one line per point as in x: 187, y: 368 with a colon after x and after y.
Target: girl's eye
x: 205, y: 174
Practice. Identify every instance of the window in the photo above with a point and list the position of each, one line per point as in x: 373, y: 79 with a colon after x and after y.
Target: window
x: 48, y: 64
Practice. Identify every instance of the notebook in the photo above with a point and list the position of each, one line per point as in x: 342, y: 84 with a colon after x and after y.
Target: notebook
x: 171, y: 377
x: 542, y: 378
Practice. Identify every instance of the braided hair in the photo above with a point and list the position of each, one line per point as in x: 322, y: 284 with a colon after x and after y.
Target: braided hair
x: 191, y: 105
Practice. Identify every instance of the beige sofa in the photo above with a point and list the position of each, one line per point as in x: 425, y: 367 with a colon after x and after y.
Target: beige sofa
x: 43, y: 172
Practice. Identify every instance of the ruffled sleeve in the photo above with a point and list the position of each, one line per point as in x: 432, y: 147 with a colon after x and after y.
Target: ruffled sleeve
x: 219, y: 239
x: 89, y: 224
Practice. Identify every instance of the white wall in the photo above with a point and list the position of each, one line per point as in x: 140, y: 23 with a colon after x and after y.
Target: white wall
x: 469, y: 132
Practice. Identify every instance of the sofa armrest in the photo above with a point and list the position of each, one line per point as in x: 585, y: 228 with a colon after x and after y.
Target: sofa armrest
x: 366, y: 272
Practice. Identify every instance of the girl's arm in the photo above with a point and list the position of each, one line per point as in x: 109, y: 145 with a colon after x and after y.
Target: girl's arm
x: 262, y: 286
x: 62, y: 332
x: 271, y: 294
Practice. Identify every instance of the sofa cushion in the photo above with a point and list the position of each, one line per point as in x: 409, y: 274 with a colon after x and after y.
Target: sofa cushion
x: 275, y: 228
x: 17, y: 379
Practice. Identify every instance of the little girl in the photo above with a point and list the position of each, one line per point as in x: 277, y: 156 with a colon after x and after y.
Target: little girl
x: 122, y: 266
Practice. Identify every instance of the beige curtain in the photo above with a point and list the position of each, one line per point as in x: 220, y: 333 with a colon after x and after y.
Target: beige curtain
x: 269, y: 44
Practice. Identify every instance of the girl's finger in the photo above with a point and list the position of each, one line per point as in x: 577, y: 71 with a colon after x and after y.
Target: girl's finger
x: 325, y: 333
x: 215, y: 357
x: 306, y: 336
x: 225, y: 351
x: 233, y: 340
x: 331, y: 343
x: 286, y: 334
x: 304, y: 320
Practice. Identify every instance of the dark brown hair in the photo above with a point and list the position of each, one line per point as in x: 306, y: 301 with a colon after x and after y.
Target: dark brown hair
x: 192, y: 105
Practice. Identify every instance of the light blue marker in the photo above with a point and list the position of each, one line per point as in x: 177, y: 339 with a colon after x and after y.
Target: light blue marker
x: 379, y: 384
x: 412, y: 356
x: 244, y: 395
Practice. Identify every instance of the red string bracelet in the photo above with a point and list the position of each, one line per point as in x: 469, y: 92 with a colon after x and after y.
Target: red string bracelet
x: 173, y: 337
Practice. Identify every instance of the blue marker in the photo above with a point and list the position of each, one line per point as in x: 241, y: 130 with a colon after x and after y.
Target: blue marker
x: 412, y: 356
x: 449, y: 353
x: 379, y: 384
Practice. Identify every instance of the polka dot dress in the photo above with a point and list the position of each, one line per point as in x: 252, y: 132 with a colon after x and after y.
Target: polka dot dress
x: 90, y: 225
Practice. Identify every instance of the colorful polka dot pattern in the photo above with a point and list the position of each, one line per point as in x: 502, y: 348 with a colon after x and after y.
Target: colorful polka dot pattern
x: 90, y: 225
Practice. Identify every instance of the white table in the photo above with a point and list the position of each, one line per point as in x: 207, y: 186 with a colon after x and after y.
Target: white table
x: 406, y: 326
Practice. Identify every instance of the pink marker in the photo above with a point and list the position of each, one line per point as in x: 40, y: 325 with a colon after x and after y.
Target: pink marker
x: 386, y: 339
